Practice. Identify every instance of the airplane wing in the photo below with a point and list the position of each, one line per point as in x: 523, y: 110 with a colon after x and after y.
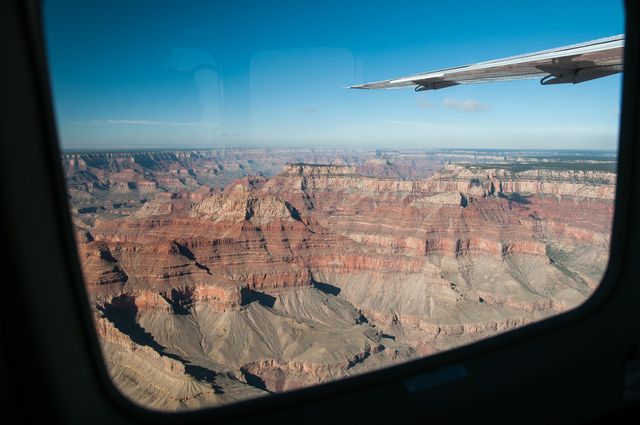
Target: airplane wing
x: 569, y: 64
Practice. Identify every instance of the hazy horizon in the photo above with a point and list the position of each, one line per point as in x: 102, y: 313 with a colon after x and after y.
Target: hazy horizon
x: 67, y: 150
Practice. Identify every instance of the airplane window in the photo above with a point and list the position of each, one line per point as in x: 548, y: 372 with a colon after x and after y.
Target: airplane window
x: 272, y: 195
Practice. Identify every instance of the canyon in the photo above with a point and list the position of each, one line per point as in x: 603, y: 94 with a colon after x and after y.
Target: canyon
x: 222, y: 275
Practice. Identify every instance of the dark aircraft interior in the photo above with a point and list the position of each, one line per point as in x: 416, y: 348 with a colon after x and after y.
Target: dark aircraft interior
x: 580, y: 367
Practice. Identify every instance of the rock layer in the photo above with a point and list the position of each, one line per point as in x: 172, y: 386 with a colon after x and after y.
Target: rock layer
x: 320, y: 272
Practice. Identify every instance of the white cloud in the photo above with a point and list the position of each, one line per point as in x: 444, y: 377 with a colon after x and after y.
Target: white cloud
x: 468, y: 105
x: 425, y: 104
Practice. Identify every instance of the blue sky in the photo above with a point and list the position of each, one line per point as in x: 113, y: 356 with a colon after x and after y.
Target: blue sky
x: 272, y: 73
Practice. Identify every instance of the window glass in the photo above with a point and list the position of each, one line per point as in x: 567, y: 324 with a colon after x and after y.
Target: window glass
x: 248, y: 224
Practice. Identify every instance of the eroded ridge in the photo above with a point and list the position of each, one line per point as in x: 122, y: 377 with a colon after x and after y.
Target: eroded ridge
x: 207, y: 293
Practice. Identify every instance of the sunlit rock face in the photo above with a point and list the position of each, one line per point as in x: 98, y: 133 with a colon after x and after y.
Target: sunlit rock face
x: 207, y: 293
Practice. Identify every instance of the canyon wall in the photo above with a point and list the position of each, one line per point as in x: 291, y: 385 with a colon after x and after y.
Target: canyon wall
x: 319, y: 272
